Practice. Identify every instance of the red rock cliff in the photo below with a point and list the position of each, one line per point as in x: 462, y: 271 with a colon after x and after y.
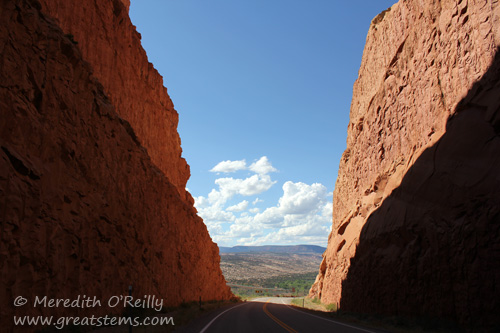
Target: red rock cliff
x: 417, y: 203
x: 84, y: 210
x: 111, y: 44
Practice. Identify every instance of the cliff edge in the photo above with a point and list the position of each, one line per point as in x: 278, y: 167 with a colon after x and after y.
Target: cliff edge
x: 416, y: 208
x: 111, y: 44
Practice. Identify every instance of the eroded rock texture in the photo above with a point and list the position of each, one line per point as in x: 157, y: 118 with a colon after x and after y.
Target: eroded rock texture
x: 84, y: 210
x: 416, y: 212
x: 111, y: 44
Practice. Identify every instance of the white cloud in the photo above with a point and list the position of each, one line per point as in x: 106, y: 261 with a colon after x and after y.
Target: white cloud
x: 313, y: 229
x: 327, y: 209
x: 302, y: 215
x: 214, y: 227
x: 239, y: 207
x: 200, y: 202
x: 256, y: 201
x: 253, y: 185
x: 217, y: 198
x: 215, y: 214
x: 298, y: 202
x: 270, y: 216
x: 230, y: 166
x: 262, y: 166
x: 300, y: 198
x: 247, y: 230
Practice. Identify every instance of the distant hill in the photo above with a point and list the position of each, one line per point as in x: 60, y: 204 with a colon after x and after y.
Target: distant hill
x: 295, y: 249
x: 253, y: 265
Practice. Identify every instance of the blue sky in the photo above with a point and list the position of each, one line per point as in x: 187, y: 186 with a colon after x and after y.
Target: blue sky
x: 263, y: 90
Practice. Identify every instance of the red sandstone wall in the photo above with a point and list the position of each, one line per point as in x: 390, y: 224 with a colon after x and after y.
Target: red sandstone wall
x: 126, y: 3
x: 111, y: 44
x: 83, y: 208
x: 421, y: 59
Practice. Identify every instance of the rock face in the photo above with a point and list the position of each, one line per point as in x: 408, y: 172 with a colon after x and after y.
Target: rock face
x: 84, y: 210
x: 111, y: 44
x: 126, y: 3
x: 416, y: 222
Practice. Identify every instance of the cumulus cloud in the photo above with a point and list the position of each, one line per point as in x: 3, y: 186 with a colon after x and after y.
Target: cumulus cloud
x: 200, y: 202
x: 239, y: 207
x: 230, y: 166
x: 300, y: 198
x: 212, y: 207
x: 270, y: 216
x: 327, y: 209
x: 256, y: 201
x: 253, y: 185
x: 215, y: 214
x: 301, y: 215
x: 214, y: 227
x: 262, y: 166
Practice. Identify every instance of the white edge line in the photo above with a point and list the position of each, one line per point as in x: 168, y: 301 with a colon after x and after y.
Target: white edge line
x: 334, y: 321
x: 220, y: 314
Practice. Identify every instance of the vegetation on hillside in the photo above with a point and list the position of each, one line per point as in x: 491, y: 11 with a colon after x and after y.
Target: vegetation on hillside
x: 286, y: 285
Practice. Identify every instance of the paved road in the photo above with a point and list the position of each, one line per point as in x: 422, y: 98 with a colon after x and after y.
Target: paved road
x: 271, y: 315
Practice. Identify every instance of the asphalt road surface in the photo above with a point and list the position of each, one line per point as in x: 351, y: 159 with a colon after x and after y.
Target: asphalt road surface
x: 271, y: 315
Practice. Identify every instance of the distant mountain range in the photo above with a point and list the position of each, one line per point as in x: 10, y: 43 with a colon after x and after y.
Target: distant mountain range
x: 274, y: 249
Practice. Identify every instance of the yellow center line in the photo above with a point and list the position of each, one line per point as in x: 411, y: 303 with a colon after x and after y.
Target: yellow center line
x: 282, y: 324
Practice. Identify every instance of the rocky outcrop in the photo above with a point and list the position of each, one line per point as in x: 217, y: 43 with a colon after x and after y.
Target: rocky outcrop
x: 126, y: 3
x: 84, y: 210
x: 111, y: 44
x: 416, y: 203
